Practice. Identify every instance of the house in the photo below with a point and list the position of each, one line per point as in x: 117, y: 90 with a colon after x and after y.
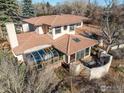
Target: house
x: 46, y: 37
x: 62, y: 38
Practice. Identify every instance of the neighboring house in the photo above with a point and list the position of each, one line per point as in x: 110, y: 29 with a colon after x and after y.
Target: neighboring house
x: 45, y: 37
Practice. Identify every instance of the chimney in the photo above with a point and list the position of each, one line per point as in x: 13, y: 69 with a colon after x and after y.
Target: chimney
x: 12, y: 34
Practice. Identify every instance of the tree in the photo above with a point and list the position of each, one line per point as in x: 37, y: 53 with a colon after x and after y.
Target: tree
x: 43, y: 8
x: 27, y: 10
x: 78, y: 6
x: 8, y: 12
x: 111, y: 28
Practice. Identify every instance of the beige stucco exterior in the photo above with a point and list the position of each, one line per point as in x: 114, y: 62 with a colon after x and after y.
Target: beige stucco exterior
x: 12, y: 35
x: 39, y: 30
x: 63, y: 32
x: 25, y: 27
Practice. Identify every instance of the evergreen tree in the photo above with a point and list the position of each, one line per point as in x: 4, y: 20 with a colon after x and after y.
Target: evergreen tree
x: 8, y: 10
x: 27, y: 9
x: 8, y: 13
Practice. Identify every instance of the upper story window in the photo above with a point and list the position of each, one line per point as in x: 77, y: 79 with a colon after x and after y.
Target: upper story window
x: 71, y: 27
x: 65, y: 27
x: 57, y: 30
x: 78, y: 24
x: 50, y: 31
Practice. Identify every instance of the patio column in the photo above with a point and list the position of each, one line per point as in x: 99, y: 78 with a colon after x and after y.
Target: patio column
x: 76, y: 56
x: 89, y: 51
x: 64, y: 58
x: 68, y: 58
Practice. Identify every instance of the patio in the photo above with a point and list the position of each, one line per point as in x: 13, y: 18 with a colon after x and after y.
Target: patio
x: 96, y: 67
x: 92, y: 62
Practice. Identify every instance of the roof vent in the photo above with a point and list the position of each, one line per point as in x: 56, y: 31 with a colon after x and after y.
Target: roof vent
x: 76, y: 40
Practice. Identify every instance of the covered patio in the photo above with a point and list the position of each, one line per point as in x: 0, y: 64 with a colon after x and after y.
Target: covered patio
x: 74, y: 47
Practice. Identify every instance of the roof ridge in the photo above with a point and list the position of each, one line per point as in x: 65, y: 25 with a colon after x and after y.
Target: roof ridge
x: 68, y: 43
x: 54, y: 20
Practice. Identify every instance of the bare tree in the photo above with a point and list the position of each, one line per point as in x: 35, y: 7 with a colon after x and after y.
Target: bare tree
x: 20, y: 78
x: 78, y: 6
x: 110, y: 26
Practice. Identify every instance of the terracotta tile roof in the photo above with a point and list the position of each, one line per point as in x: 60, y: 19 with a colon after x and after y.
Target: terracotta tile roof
x: 55, y: 20
x: 68, y: 45
x: 89, y: 28
x: 30, y: 40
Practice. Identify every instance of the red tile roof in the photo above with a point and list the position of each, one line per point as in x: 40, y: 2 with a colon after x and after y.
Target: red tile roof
x: 55, y: 20
x: 65, y: 44
x: 68, y: 45
x: 89, y: 29
x: 30, y: 40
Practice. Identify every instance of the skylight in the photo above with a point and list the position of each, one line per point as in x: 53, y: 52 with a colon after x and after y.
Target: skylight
x: 76, y: 40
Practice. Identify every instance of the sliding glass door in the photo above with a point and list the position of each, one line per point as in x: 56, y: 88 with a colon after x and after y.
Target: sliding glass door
x: 87, y: 51
x: 80, y: 55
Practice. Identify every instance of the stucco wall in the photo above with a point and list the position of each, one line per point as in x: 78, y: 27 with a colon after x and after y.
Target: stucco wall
x: 99, y: 72
x: 117, y: 46
x: 62, y: 32
x: 94, y: 73
x: 25, y: 27
x: 39, y: 30
x: 37, y: 48
x: 76, y: 68
x: 12, y: 35
x: 67, y: 31
x: 20, y: 58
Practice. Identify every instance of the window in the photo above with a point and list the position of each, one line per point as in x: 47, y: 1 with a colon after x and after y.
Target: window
x: 78, y: 24
x: 57, y: 30
x: 80, y: 55
x: 50, y: 31
x: 65, y: 27
x: 87, y: 51
x: 71, y: 27
x: 76, y: 40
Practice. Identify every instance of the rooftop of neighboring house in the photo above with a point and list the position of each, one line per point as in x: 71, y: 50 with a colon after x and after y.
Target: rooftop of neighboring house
x: 55, y: 20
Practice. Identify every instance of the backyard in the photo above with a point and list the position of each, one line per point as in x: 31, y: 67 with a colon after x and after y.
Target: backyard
x: 113, y: 82
x: 56, y: 79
